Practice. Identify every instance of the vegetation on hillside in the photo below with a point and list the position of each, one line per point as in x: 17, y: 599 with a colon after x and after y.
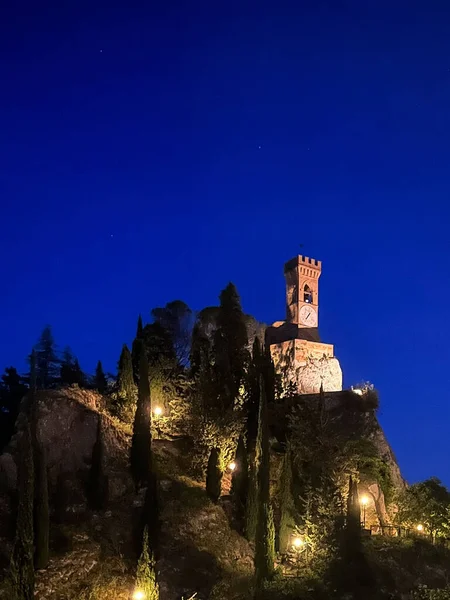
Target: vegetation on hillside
x: 282, y: 471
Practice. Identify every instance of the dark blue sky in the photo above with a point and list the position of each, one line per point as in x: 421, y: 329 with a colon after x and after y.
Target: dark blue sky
x: 153, y: 151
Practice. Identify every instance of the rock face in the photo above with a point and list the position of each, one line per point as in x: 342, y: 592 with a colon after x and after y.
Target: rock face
x: 67, y: 427
x: 307, y: 366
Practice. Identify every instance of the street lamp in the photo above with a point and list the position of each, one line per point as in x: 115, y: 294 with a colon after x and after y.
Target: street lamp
x: 158, y: 411
x: 364, y: 501
x: 297, y: 543
x: 138, y: 595
x: 232, y: 466
x: 419, y: 528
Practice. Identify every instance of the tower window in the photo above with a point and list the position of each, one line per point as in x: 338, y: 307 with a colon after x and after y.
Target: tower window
x: 307, y: 294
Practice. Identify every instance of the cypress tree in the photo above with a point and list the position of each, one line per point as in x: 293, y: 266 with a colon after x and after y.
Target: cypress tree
x: 230, y: 347
x: 265, y: 533
x: 47, y: 362
x: 213, y: 476
x: 353, y: 573
x: 125, y: 381
x: 21, y: 568
x: 136, y: 350
x: 98, y: 484
x: 239, y: 479
x: 150, y: 515
x: 251, y: 508
x: 254, y: 373
x: 146, y: 571
x: 286, y: 504
x: 41, y: 510
x: 100, y: 381
x: 141, y: 444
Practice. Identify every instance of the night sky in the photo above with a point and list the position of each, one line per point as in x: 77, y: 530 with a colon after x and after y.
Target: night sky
x: 154, y: 151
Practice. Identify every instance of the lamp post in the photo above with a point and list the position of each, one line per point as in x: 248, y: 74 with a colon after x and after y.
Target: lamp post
x: 232, y: 466
x: 419, y: 528
x: 138, y: 595
x: 364, y: 501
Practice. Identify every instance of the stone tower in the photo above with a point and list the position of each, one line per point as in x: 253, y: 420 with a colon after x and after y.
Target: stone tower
x: 295, y: 344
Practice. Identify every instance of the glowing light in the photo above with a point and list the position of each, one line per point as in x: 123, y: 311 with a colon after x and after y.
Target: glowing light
x: 364, y: 500
x: 298, y: 542
x: 158, y: 412
x: 232, y: 466
x: 419, y: 527
x: 138, y: 595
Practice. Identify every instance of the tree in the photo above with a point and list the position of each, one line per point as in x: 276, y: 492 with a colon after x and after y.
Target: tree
x: 47, y: 361
x: 12, y: 390
x: 265, y: 533
x: 230, y: 348
x: 41, y: 509
x: 286, y: 504
x: 98, y: 484
x: 146, y: 571
x: 141, y: 444
x: 125, y: 396
x: 428, y: 504
x: 70, y: 371
x: 239, y: 479
x: 213, y: 476
x: 100, y: 381
x: 21, y: 568
x: 177, y: 319
x: 253, y: 385
x: 136, y: 350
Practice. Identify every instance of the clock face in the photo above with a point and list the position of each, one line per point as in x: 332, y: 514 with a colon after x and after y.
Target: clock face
x: 308, y: 316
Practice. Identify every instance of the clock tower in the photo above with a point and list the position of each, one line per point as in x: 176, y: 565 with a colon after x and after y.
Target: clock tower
x: 297, y: 350
x: 302, y: 291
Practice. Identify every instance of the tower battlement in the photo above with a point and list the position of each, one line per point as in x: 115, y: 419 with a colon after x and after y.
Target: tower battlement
x: 302, y: 260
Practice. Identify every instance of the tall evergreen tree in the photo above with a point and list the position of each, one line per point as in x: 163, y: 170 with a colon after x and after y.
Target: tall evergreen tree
x: 136, y: 350
x: 265, y: 533
x: 177, y: 319
x: 12, y: 390
x: 125, y: 381
x: 100, y: 381
x: 213, y: 476
x: 251, y: 507
x: 286, y: 504
x: 98, y: 484
x: 41, y: 508
x: 146, y: 571
x: 239, y: 479
x: 70, y: 371
x: 253, y: 385
x: 230, y: 348
x: 47, y: 361
x: 141, y: 444
x: 21, y: 568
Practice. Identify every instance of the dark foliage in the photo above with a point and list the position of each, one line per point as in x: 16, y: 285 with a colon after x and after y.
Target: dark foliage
x: 12, y: 390
x: 136, y: 350
x: 47, y: 361
x: 22, y: 568
x: 264, y: 540
x: 213, y: 476
x: 100, y: 381
x: 141, y: 450
x: 239, y: 480
x: 230, y: 348
x: 70, y: 370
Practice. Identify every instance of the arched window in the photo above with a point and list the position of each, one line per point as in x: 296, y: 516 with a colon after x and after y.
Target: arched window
x: 307, y: 294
